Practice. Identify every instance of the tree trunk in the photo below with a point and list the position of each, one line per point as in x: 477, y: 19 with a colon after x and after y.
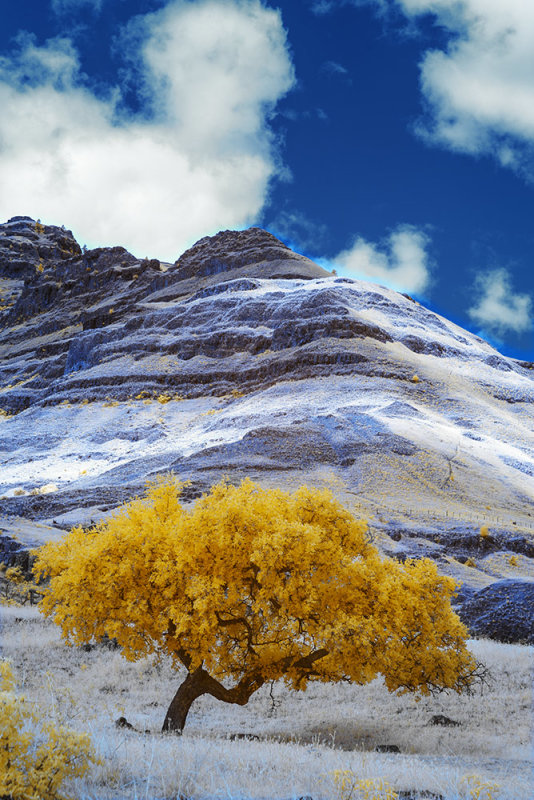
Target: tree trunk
x: 200, y: 682
x: 193, y: 687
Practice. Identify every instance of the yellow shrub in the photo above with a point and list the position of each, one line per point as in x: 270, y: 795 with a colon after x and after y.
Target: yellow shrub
x: 36, y: 756
x: 484, y: 532
x: 480, y: 790
x: 348, y: 786
x: 15, y: 589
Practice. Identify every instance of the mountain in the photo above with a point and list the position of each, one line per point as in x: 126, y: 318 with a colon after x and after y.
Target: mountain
x: 244, y: 358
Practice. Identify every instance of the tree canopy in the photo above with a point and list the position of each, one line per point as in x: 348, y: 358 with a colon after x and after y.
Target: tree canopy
x: 249, y: 585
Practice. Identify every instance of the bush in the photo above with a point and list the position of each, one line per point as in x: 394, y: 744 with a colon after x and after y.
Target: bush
x: 35, y: 755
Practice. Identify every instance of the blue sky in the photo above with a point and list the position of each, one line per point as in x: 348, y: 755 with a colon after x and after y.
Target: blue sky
x: 392, y: 140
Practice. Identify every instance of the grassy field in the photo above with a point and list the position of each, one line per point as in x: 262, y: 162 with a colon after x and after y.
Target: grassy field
x: 295, y: 740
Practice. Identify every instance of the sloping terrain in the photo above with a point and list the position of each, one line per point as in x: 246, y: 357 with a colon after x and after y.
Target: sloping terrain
x: 244, y: 358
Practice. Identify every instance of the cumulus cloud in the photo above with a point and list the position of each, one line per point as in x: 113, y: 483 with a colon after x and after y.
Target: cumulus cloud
x: 402, y: 263
x: 479, y: 90
x: 198, y: 157
x: 498, y: 308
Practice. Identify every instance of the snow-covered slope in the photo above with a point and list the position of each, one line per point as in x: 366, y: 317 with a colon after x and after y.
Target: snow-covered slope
x: 245, y: 358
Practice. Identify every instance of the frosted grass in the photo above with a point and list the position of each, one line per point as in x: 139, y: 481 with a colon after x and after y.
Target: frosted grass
x: 302, y: 737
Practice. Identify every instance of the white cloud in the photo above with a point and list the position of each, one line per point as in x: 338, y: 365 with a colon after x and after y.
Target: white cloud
x: 403, y: 263
x: 298, y: 230
x: 480, y: 89
x: 320, y: 7
x: 333, y: 68
x: 498, y: 308
x: 200, y: 156
x: 68, y: 6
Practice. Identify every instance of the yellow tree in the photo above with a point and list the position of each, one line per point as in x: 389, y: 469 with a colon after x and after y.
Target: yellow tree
x: 251, y: 585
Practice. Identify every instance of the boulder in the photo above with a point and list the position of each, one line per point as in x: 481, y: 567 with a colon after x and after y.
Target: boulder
x: 503, y: 611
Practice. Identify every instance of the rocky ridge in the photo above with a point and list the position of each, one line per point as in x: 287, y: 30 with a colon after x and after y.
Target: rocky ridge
x: 246, y: 358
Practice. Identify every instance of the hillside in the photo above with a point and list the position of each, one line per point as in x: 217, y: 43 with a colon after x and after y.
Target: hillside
x: 243, y: 358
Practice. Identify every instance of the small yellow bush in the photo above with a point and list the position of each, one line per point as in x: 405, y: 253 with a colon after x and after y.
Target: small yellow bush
x: 484, y: 532
x: 36, y: 756
x: 480, y: 790
x: 15, y: 589
x: 348, y: 786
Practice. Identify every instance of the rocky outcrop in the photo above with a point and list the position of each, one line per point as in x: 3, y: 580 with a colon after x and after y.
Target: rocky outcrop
x: 503, y: 611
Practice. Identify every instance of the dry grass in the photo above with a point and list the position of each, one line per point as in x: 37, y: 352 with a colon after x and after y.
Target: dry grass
x: 303, y: 737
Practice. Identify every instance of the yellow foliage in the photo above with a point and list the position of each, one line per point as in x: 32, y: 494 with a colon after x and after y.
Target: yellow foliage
x: 254, y: 585
x: 349, y: 787
x: 15, y: 588
x: 513, y: 561
x: 484, y: 532
x: 35, y: 756
x: 166, y: 398
x: 415, y: 379
x: 480, y: 790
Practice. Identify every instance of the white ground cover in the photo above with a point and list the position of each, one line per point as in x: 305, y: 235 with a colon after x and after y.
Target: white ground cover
x: 71, y: 445
x: 303, y: 737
